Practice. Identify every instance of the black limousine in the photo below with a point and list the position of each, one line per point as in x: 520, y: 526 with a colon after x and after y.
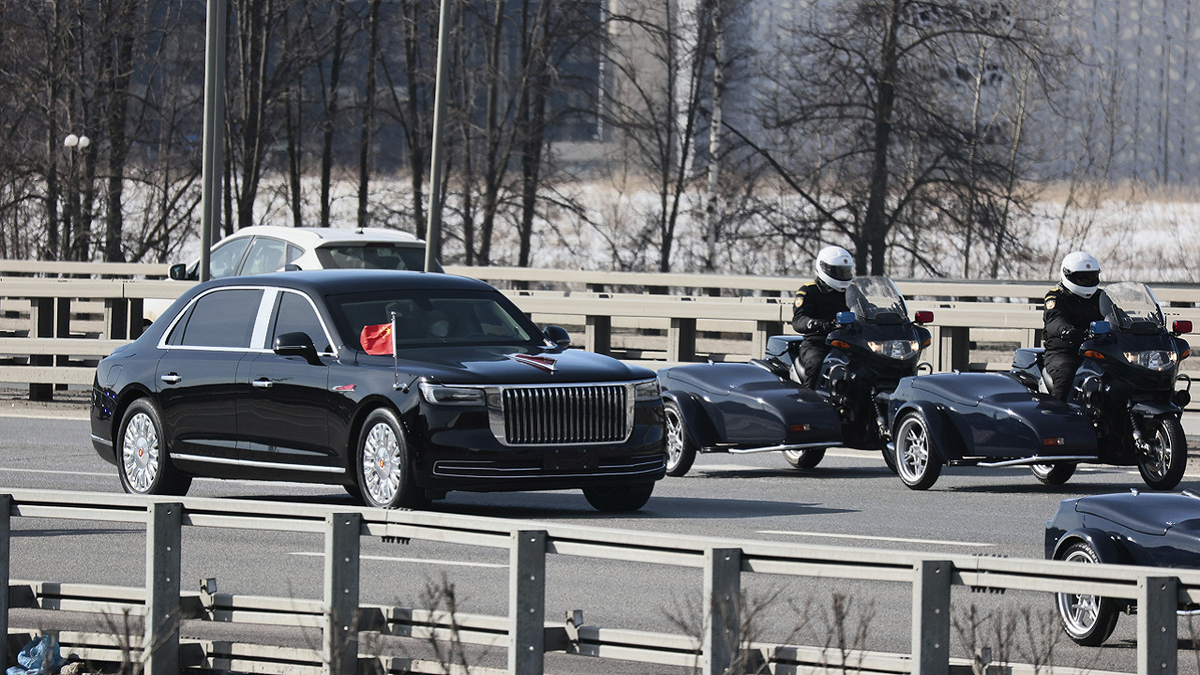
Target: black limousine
x: 399, y: 386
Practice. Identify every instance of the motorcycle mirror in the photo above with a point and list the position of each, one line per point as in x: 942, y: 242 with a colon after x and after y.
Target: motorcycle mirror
x: 923, y: 316
x: 1100, y: 327
x: 1181, y: 326
x: 845, y: 317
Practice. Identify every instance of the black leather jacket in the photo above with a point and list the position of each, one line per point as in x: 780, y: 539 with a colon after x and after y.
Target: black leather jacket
x: 1066, y: 316
x: 816, y: 309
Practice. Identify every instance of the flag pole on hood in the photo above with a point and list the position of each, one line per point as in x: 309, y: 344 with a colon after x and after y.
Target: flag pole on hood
x: 395, y: 358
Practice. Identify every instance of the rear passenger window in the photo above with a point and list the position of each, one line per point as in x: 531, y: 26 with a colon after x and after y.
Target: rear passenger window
x: 296, y: 315
x: 223, y: 319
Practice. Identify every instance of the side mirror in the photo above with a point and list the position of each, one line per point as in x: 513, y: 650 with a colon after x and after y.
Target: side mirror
x: 846, y: 318
x: 297, y: 344
x: 1101, y: 328
x: 923, y: 316
x: 1181, y: 326
x: 558, y: 335
x: 178, y: 272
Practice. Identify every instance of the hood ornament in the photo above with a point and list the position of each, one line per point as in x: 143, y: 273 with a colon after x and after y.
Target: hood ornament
x: 538, y: 361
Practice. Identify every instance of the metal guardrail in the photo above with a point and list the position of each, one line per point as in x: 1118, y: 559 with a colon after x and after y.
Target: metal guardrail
x: 45, y: 313
x: 525, y: 632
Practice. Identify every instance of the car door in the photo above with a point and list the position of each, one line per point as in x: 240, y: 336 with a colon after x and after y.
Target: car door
x: 286, y: 412
x: 197, y: 377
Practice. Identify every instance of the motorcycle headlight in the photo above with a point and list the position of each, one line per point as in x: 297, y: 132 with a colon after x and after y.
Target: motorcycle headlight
x: 440, y: 394
x: 896, y: 349
x: 1154, y: 359
x: 647, y: 391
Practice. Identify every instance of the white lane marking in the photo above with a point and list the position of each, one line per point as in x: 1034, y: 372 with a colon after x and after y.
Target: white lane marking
x: 46, y: 414
x: 871, y: 538
x: 59, y: 473
x: 314, y: 554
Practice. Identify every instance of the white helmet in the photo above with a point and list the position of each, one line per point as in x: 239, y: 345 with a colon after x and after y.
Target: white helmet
x: 835, y: 267
x: 1081, y: 274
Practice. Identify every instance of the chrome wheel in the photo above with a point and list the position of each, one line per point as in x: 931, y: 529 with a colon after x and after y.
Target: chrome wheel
x: 916, y: 462
x: 140, y: 447
x: 1087, y: 619
x: 681, y: 453
x: 382, y: 464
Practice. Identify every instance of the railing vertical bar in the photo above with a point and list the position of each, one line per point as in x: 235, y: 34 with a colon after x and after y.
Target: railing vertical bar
x: 721, y: 609
x: 163, y: 540
x: 931, y: 617
x: 5, y: 557
x: 340, y: 650
x: 1157, y: 625
x: 527, y: 602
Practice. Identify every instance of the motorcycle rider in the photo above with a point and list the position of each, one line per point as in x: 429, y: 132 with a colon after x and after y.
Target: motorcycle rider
x: 1070, y: 309
x: 817, y: 305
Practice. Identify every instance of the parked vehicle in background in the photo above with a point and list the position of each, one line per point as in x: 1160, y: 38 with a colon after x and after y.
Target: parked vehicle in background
x: 293, y: 377
x: 1131, y: 528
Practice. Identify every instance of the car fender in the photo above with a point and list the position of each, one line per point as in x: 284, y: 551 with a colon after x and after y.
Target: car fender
x: 696, y: 423
x: 1109, y: 551
x: 943, y: 435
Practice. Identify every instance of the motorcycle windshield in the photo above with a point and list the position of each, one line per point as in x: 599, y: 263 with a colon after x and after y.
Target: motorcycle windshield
x: 1131, y: 308
x: 877, y: 300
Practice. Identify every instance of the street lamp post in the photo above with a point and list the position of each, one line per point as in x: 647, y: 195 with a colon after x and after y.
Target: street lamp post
x: 73, y: 230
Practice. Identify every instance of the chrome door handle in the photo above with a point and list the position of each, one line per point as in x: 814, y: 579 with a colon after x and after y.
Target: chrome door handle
x: 171, y: 378
x: 263, y: 383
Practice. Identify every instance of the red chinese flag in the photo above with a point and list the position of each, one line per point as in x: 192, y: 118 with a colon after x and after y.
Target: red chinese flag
x: 377, y: 340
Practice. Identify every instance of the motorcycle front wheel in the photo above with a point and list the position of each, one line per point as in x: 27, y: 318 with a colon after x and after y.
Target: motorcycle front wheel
x: 1163, y: 459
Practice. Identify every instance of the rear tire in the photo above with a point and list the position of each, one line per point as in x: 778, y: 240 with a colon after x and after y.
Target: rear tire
x: 1053, y: 474
x: 916, y: 462
x: 681, y: 451
x: 804, y: 459
x: 1086, y: 619
x: 143, y: 461
x: 618, y: 498
x: 1162, y: 464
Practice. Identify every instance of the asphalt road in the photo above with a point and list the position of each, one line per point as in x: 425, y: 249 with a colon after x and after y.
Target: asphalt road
x: 850, y: 500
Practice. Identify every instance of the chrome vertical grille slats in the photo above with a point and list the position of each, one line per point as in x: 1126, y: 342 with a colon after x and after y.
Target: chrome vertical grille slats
x: 565, y: 414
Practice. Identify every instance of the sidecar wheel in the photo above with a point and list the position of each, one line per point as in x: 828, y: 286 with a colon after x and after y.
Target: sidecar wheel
x: 916, y: 462
x: 681, y: 451
x: 1162, y: 463
x: 1053, y: 474
x: 1086, y: 619
x: 804, y: 459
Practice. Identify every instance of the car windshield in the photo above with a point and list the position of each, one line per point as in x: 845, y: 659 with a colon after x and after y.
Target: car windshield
x: 372, y: 257
x: 876, y: 299
x: 1131, y: 307
x: 427, y: 318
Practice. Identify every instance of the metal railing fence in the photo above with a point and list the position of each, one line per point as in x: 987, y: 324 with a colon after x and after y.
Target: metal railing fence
x: 525, y: 631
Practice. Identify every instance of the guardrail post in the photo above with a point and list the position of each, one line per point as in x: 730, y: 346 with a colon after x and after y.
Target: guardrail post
x: 1157, y: 639
x: 41, y: 316
x: 955, y: 348
x: 340, y: 649
x: 722, y: 605
x: 598, y: 334
x: 762, y: 331
x: 116, y: 318
x: 681, y: 340
x: 62, y: 329
x: 136, y: 317
x: 527, y: 602
x: 5, y: 557
x: 160, y: 652
x: 931, y: 617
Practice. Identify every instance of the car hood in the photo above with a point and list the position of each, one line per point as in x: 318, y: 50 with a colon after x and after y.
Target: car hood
x: 509, y: 365
x: 1149, y: 513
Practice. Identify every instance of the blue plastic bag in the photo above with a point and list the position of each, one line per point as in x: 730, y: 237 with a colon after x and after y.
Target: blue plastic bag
x: 39, y: 657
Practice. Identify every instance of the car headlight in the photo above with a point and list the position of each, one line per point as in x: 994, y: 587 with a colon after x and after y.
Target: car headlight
x: 1154, y: 359
x: 647, y: 391
x: 896, y: 349
x: 440, y: 394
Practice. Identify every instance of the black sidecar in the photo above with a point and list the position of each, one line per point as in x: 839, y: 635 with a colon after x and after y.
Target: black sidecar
x: 742, y: 408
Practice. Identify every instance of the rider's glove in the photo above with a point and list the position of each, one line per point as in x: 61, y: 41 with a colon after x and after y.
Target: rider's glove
x: 1073, y: 335
x: 823, y: 325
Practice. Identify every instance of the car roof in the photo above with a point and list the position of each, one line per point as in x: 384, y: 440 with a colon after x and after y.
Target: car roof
x: 315, y: 237
x: 321, y: 282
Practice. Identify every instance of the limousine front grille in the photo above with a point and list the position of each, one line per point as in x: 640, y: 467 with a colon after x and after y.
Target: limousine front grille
x: 564, y: 414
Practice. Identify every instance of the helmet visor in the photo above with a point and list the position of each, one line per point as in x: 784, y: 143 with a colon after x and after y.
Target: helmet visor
x: 1085, y: 278
x: 839, y: 272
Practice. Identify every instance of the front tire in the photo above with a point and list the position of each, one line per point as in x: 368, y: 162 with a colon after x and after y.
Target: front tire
x: 1164, y: 459
x: 916, y: 462
x: 618, y: 498
x: 1053, y: 474
x: 384, y: 464
x: 681, y: 451
x: 1087, y: 619
x: 143, y: 463
x: 804, y: 459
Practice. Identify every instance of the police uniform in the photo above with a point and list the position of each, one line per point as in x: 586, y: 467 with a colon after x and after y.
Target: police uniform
x: 1066, y: 316
x: 815, y: 316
